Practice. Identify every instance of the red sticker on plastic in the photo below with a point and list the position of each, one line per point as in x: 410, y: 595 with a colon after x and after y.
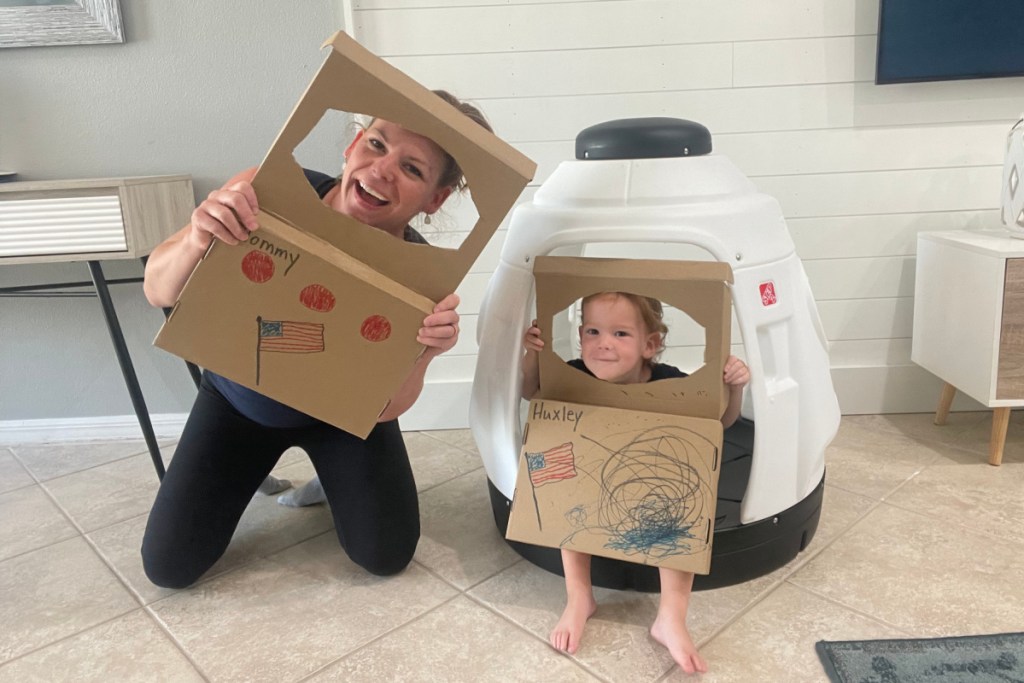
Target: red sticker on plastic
x: 768, y: 297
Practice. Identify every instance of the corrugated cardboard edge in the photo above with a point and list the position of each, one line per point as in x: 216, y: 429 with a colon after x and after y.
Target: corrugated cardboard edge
x: 353, y: 79
x: 524, y: 519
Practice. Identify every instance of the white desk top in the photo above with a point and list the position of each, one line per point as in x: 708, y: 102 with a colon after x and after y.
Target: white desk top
x: 998, y: 243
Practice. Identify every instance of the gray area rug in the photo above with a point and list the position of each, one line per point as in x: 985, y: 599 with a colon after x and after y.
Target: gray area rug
x: 997, y: 658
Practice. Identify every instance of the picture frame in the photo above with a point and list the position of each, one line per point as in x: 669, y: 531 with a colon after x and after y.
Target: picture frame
x: 74, y: 22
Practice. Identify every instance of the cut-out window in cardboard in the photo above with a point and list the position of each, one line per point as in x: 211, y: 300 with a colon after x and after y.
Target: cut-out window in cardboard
x: 626, y: 471
x: 336, y: 130
x: 683, y: 346
x: 318, y: 310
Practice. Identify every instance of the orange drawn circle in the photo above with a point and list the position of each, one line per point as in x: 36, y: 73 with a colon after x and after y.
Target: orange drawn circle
x: 375, y: 328
x: 317, y: 298
x: 258, y: 266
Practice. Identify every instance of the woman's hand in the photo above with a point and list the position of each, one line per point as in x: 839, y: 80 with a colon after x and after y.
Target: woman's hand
x: 440, y: 330
x: 227, y: 214
x: 439, y: 333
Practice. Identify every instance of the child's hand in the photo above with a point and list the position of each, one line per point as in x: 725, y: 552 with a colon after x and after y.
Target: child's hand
x: 440, y: 329
x: 532, y: 340
x: 736, y: 373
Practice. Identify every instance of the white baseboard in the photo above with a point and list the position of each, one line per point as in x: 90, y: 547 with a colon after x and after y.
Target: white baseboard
x: 445, y: 405
x: 100, y: 428
x: 892, y: 389
x: 442, y: 405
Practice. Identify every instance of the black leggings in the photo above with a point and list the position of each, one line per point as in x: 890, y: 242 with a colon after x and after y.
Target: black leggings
x: 223, y: 457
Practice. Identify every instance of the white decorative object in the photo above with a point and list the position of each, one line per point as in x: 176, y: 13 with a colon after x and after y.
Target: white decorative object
x: 1013, y: 181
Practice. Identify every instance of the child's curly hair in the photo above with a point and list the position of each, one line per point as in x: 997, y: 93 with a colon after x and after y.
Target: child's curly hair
x: 651, y: 315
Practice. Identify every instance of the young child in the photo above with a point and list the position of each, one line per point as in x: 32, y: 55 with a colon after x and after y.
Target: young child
x: 621, y: 337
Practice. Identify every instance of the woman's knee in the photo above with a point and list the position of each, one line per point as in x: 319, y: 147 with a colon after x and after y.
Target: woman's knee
x: 174, y: 559
x: 386, y: 557
x: 169, y: 569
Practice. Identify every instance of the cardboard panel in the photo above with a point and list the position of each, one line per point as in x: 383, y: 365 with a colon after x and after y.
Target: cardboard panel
x: 318, y: 310
x: 629, y: 485
x: 699, y: 288
x: 306, y: 325
x: 626, y: 471
x: 353, y: 79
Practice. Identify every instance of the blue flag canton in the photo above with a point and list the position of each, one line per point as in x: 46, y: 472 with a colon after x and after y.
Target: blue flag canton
x: 271, y: 328
x: 535, y: 461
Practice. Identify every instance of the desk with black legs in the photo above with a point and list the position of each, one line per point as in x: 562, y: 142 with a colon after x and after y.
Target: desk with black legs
x: 92, y: 221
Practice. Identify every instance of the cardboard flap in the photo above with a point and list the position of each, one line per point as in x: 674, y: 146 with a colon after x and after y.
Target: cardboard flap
x: 698, y: 288
x: 271, y: 227
x: 352, y: 79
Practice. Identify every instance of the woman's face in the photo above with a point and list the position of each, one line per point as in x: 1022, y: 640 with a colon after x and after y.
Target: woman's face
x: 390, y: 175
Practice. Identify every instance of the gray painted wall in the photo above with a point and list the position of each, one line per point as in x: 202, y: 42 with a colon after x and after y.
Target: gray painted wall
x: 200, y: 88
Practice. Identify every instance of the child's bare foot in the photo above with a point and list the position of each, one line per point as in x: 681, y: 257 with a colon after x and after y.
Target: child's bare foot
x: 670, y: 630
x: 567, y: 632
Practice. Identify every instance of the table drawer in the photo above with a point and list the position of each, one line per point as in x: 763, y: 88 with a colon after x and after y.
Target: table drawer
x: 46, y: 224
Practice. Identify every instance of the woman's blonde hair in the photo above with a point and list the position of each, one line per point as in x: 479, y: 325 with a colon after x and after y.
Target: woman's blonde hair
x: 651, y: 315
x: 451, y: 175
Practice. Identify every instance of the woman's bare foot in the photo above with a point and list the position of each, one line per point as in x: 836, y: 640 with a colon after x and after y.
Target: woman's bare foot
x: 567, y: 632
x: 670, y: 630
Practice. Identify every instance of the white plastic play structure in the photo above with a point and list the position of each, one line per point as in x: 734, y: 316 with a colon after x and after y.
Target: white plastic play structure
x: 656, y: 181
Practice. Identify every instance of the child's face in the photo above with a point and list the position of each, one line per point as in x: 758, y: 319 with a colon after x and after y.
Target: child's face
x: 614, y: 342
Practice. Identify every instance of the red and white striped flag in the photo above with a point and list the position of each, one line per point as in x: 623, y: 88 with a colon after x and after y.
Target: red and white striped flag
x: 551, y: 465
x: 284, y: 336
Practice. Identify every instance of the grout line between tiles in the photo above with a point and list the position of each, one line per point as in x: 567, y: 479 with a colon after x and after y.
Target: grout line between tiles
x: 69, y: 636
x: 536, y: 637
x: 166, y: 630
x: 102, y: 558
x: 850, y: 608
x: 84, y: 469
x: 429, y: 435
x: 125, y: 584
x: 991, y: 535
x: 785, y: 578
x: 448, y: 481
x: 378, y: 637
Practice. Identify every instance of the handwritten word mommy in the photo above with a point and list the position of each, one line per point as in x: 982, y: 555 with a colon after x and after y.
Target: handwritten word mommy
x: 274, y: 250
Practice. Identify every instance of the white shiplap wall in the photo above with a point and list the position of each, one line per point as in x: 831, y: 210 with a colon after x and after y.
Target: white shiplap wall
x: 786, y: 90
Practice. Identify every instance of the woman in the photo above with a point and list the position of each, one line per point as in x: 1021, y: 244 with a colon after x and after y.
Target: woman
x: 234, y: 436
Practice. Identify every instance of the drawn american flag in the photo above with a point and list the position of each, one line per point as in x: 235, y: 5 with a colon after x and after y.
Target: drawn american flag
x: 551, y: 465
x: 284, y: 336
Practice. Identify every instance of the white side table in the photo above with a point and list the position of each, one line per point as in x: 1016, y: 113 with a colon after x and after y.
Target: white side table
x: 969, y: 321
x: 95, y: 220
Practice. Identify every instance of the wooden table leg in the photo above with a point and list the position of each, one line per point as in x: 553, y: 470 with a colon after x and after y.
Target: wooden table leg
x: 1000, y: 421
x: 945, y: 401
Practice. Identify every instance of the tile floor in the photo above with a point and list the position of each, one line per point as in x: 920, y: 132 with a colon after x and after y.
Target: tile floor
x: 918, y: 537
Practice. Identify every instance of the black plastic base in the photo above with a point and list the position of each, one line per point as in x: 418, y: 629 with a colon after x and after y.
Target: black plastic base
x: 740, y: 552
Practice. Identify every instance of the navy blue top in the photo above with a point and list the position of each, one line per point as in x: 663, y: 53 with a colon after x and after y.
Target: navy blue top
x: 658, y: 370
x: 254, y: 405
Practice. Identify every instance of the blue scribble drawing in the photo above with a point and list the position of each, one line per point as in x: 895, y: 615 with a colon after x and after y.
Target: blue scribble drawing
x: 577, y: 516
x: 656, y: 498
